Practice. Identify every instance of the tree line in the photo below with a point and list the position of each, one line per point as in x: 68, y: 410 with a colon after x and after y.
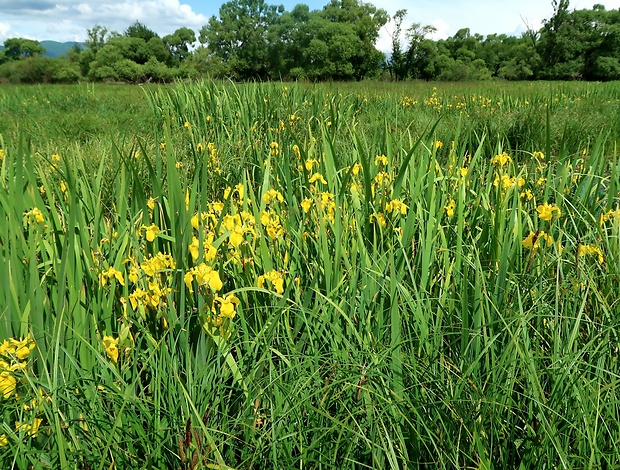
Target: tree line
x: 252, y: 40
x: 578, y: 44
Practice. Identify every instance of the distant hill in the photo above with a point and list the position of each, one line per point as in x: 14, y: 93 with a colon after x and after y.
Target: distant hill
x: 56, y: 49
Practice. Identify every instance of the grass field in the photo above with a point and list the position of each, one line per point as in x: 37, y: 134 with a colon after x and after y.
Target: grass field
x: 367, y: 275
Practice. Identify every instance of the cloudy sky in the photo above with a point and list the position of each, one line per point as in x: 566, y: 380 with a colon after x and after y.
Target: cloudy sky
x: 67, y: 20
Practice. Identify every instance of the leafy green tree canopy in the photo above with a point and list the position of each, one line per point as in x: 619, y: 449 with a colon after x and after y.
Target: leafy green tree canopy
x: 17, y: 48
x: 139, y: 30
x: 366, y: 21
x: 179, y: 42
x: 96, y: 37
x: 239, y: 36
x: 580, y: 44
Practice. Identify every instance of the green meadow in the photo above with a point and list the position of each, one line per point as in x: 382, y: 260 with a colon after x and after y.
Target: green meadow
x: 280, y: 275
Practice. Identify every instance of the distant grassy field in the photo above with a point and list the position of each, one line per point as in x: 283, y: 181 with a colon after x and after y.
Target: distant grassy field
x: 366, y: 275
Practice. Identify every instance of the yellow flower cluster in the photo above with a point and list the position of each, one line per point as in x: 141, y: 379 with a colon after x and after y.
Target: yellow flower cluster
x: 306, y: 204
x: 270, y: 218
x: 211, y: 151
x: 231, y: 234
x: 317, y: 177
x: 294, y: 118
x: 408, y: 102
x: 271, y: 221
x: 237, y: 228
x: 154, y: 268
x: 13, y: 356
x: 501, y: 159
x: 508, y: 182
x: 527, y: 195
x: 590, y: 250
x: 548, y: 211
x: 381, y: 160
x: 151, y: 231
x: 379, y: 217
x: 158, y: 263
x: 532, y: 241
x: 274, y: 149
x: 433, y: 101
x: 31, y: 429
x: 205, y: 276
x: 111, y: 273
x: 36, y: 215
x: 613, y: 215
x: 327, y: 204
x: 274, y: 278
x: 449, y: 208
x: 224, y: 307
x: 272, y: 195
x: 396, y: 205
x: 238, y: 191
x: 110, y: 345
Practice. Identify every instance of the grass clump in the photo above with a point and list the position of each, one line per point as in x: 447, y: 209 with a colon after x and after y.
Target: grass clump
x: 269, y: 279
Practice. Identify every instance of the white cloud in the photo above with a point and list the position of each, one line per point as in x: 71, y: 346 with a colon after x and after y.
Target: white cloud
x: 384, y: 42
x: 163, y: 16
x: 5, y: 29
x: 84, y: 8
x: 443, y: 29
x: 67, y: 20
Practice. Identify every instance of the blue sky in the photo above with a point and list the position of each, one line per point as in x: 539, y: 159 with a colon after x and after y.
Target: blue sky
x: 67, y: 20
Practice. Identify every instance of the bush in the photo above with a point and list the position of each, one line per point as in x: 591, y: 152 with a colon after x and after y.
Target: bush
x: 129, y: 71
x: 157, y: 71
x: 607, y: 68
x: 102, y: 72
x: 39, y: 70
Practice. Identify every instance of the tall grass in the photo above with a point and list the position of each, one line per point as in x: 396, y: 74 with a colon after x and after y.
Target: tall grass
x: 415, y: 326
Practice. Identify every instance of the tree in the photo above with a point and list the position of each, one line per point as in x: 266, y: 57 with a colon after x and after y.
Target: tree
x: 305, y: 44
x: 208, y: 64
x: 600, y: 30
x: 495, y: 50
x: 240, y: 37
x: 17, y: 48
x: 336, y: 43
x: 96, y: 37
x: 289, y: 37
x: 157, y: 49
x: 580, y: 44
x: 331, y: 51
x: 463, y: 45
x: 420, y: 50
x: 103, y: 65
x: 520, y: 62
x: 179, y: 42
x: 397, y: 63
x: 131, y: 48
x: 138, y: 30
x: 365, y: 20
x: 551, y: 45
